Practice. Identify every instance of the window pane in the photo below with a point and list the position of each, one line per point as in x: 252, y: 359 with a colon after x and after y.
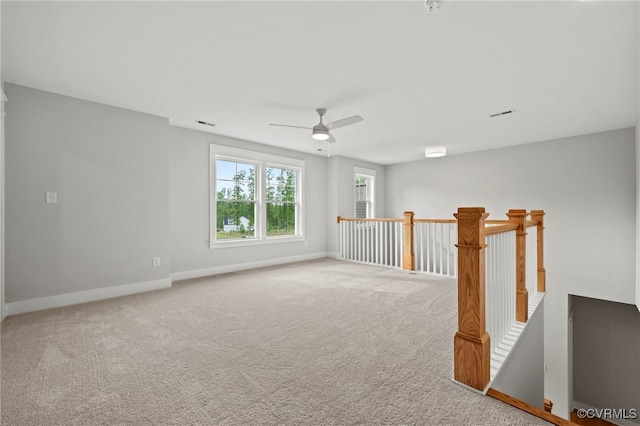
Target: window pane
x: 235, y: 191
x: 235, y: 220
x: 226, y: 169
x: 281, y: 219
x: 361, y: 209
x: 281, y: 184
x: 362, y: 194
x: 235, y: 180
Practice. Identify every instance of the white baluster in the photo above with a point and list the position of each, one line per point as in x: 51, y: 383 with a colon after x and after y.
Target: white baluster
x: 422, y: 246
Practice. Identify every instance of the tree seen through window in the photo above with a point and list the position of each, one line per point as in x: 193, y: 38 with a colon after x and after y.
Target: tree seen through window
x: 281, y: 201
x: 235, y: 200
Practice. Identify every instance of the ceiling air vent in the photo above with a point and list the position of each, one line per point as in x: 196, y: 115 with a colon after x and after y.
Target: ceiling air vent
x: 498, y: 114
x: 205, y: 123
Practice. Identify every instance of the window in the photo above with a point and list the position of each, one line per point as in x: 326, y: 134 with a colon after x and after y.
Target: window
x: 364, y: 181
x: 281, y: 201
x: 235, y: 200
x: 256, y: 198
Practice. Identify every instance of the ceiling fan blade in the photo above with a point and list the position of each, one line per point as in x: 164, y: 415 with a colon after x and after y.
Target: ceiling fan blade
x: 331, y: 138
x: 344, y: 122
x: 288, y: 125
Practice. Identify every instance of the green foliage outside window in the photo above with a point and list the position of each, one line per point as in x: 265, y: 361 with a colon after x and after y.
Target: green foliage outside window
x: 281, y: 198
x: 235, y: 200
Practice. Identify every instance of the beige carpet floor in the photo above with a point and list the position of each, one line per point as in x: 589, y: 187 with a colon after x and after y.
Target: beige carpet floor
x: 314, y: 343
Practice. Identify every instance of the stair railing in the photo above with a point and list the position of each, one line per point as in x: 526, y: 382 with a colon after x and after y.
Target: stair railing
x: 426, y: 245
x: 373, y: 241
x: 499, y: 265
x: 496, y: 295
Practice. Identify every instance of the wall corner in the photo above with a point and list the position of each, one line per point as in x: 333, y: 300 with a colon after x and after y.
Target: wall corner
x: 638, y: 214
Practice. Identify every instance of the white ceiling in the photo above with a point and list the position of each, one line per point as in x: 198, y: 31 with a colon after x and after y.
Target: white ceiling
x: 417, y: 78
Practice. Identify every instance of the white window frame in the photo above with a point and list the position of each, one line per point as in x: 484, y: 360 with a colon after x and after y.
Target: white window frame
x: 261, y: 161
x: 370, y: 174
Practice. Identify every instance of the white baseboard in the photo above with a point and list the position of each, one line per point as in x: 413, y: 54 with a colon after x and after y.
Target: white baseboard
x: 38, y: 304
x: 199, y: 273
x: 5, y: 309
x: 333, y: 254
x: 622, y: 422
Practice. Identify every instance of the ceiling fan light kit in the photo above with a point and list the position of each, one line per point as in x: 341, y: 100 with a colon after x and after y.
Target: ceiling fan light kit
x: 435, y: 151
x: 320, y: 134
x: 320, y: 131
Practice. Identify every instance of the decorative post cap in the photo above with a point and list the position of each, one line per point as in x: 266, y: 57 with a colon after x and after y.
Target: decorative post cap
x: 471, y: 213
x: 517, y: 212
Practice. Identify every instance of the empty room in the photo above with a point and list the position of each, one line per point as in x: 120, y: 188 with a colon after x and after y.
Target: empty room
x: 320, y: 212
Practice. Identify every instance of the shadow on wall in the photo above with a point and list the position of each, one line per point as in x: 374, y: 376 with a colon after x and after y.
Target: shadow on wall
x: 606, y: 357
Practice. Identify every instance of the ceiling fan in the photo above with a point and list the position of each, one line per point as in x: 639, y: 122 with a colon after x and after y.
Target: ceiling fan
x: 321, y: 131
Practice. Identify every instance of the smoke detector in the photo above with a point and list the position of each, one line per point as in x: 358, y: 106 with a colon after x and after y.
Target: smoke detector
x: 433, y: 5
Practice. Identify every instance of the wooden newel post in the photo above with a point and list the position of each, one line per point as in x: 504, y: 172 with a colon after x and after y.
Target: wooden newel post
x: 522, y: 296
x: 471, y: 364
x: 538, y: 216
x: 408, y: 257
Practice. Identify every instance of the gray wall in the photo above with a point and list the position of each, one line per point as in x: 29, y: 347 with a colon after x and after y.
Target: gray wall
x: 110, y: 168
x: 606, y: 354
x: 3, y: 309
x: 586, y: 184
x: 189, y: 207
x: 341, y: 194
x: 638, y: 215
x: 521, y: 375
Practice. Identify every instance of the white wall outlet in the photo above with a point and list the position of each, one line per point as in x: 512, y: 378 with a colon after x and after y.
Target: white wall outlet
x: 51, y: 197
x: 545, y: 368
x: 156, y: 261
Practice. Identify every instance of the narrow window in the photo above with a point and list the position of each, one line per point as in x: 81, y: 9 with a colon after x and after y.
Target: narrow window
x: 236, y: 201
x: 364, y: 200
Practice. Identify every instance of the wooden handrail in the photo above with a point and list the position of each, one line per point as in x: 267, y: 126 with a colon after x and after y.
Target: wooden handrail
x: 529, y: 223
x: 499, y: 229
x: 495, y: 222
x: 435, y: 221
x: 388, y: 219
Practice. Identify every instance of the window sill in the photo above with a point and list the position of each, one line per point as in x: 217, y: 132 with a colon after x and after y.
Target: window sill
x: 256, y: 242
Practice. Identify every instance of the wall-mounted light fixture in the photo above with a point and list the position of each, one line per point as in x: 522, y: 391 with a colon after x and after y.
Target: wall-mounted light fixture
x: 435, y: 151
